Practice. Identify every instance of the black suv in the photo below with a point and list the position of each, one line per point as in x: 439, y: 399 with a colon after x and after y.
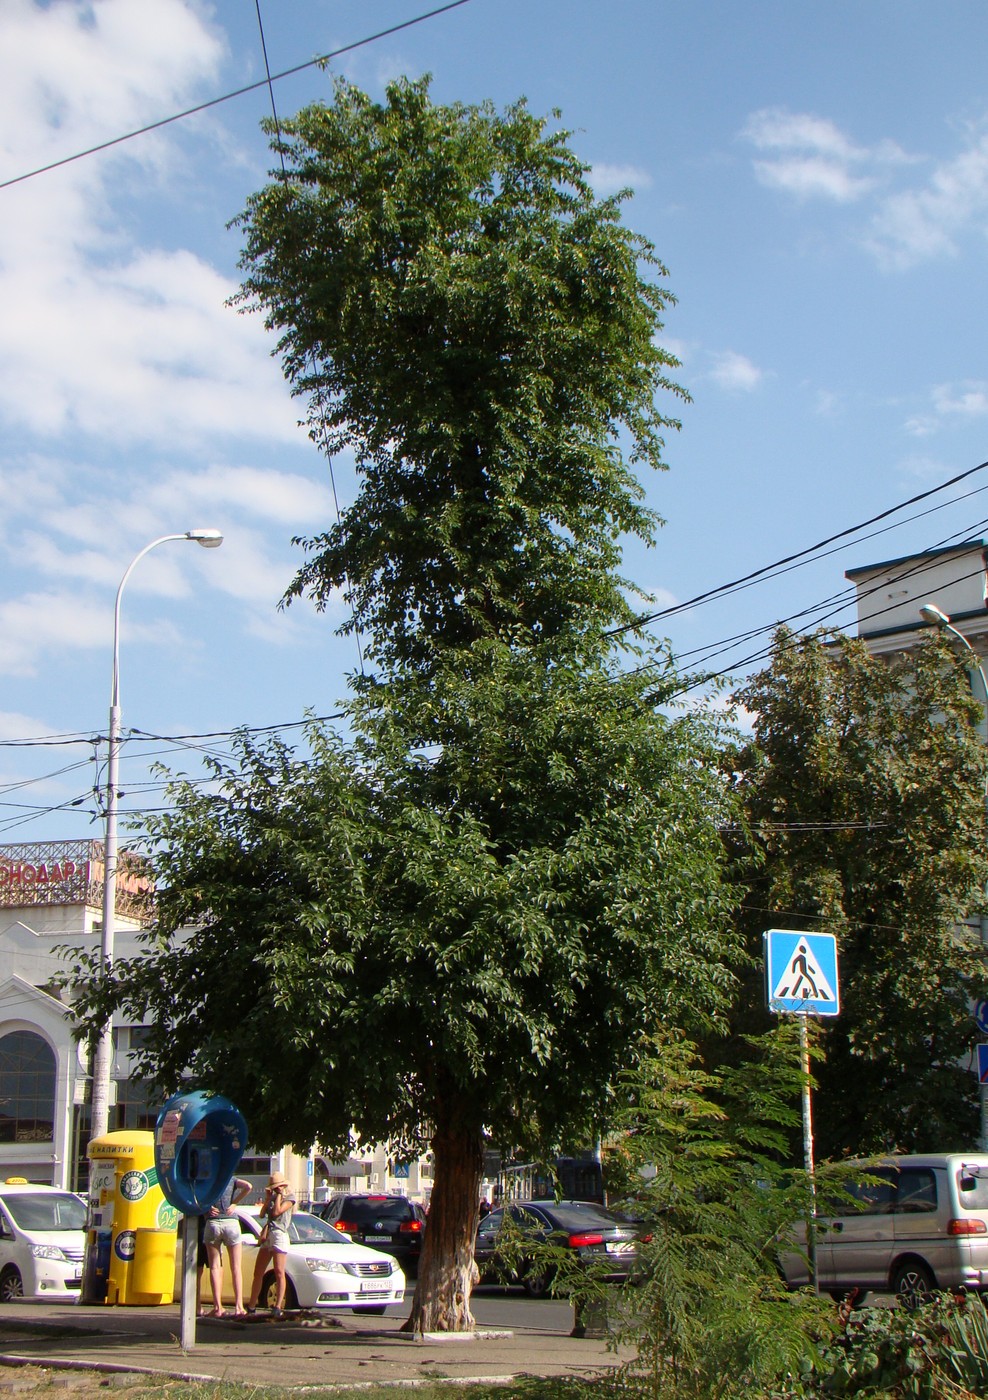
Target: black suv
x: 393, y: 1224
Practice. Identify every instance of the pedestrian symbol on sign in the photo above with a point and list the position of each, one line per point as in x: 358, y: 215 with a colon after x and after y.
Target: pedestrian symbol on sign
x: 801, y: 972
x: 803, y: 980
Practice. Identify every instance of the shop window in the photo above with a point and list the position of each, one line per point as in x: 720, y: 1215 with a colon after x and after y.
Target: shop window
x: 27, y: 1088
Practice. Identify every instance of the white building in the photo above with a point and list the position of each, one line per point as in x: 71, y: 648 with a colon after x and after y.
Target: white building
x: 890, y: 595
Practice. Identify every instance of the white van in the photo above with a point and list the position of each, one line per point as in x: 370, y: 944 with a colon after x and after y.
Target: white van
x: 915, y: 1225
x: 42, y: 1239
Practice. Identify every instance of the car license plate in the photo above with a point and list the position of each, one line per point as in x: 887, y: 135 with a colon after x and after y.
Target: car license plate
x: 378, y: 1238
x: 621, y: 1247
x: 374, y: 1290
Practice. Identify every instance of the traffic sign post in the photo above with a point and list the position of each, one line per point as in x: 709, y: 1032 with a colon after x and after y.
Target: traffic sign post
x: 801, y: 980
x: 983, y: 1087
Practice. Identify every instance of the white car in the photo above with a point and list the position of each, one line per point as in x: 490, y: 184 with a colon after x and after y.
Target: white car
x: 325, y: 1269
x: 42, y: 1240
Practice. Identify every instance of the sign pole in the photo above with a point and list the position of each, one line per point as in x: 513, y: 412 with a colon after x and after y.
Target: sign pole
x: 808, y: 1163
x: 190, y: 1277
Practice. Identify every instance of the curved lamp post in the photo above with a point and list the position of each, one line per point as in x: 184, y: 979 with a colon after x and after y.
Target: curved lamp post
x: 103, y: 1061
x: 931, y: 613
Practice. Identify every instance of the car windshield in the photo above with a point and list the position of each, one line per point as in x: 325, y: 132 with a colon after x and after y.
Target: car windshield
x: 361, y: 1212
x: 309, y: 1229
x: 46, y: 1210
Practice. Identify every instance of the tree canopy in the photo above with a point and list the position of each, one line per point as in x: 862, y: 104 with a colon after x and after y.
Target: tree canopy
x: 864, y: 789
x: 463, y: 314
x: 463, y: 919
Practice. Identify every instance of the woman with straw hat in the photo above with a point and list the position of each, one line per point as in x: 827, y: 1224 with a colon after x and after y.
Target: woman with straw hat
x: 276, y: 1212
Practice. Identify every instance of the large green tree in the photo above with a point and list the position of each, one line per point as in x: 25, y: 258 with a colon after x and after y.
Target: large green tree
x: 461, y: 922
x: 463, y: 918
x: 864, y: 790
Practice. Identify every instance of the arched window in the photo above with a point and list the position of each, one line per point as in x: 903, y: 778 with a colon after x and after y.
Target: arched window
x: 27, y: 1088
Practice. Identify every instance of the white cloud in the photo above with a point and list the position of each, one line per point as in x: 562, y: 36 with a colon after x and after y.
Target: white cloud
x: 100, y: 337
x: 735, y: 373
x: 807, y: 176
x: 951, y: 404
x: 916, y: 225
x: 15, y: 726
x: 35, y: 622
x: 809, y: 156
x: 608, y: 179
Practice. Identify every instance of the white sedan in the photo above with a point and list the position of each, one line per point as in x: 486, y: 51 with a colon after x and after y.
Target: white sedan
x: 325, y: 1269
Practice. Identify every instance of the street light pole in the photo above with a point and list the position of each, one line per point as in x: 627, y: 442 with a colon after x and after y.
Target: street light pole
x: 103, y: 1061
x: 931, y: 613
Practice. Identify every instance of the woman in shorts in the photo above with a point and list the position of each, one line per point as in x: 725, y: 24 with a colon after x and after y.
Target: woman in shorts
x: 223, y: 1228
x: 276, y: 1211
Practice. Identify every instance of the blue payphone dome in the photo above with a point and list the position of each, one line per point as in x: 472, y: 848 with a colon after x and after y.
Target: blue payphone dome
x: 199, y: 1139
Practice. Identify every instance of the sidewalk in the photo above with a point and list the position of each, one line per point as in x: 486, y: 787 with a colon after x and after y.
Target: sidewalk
x: 300, y: 1350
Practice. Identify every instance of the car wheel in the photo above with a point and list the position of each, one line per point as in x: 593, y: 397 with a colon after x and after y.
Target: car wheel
x: 11, y: 1284
x: 912, y: 1283
x: 536, y: 1282
x: 269, y: 1292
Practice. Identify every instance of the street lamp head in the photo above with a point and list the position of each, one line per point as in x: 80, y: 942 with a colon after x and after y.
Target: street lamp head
x: 209, y: 539
x: 932, y: 613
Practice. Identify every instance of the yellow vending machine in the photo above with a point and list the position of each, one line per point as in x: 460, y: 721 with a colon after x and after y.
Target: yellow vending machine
x: 131, y: 1228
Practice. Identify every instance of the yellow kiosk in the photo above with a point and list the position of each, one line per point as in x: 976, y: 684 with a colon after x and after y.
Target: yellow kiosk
x: 131, y: 1228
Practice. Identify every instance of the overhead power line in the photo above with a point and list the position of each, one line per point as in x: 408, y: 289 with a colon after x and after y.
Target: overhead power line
x: 799, y: 554
x: 229, y: 96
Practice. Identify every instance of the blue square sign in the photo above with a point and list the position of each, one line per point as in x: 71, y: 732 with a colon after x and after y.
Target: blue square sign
x: 801, y: 972
x: 983, y: 1063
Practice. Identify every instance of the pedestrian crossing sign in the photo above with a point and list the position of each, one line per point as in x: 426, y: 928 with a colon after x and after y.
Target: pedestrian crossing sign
x: 801, y: 972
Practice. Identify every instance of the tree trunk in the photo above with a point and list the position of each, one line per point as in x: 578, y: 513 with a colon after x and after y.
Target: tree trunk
x: 446, y: 1268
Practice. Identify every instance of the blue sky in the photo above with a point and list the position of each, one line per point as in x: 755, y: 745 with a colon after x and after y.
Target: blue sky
x: 814, y: 176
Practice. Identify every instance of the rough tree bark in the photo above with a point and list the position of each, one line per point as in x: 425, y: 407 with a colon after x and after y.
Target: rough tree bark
x: 446, y: 1268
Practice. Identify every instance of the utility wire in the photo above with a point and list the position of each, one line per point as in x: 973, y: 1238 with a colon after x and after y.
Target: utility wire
x: 800, y: 554
x: 229, y: 96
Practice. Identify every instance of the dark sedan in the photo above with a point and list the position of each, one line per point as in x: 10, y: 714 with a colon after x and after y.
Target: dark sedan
x: 393, y: 1224
x: 599, y: 1239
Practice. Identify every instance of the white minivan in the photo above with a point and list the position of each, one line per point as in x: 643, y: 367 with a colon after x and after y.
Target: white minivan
x: 42, y: 1240
x: 913, y: 1225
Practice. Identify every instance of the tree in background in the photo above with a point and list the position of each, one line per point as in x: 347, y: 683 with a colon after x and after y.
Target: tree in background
x: 864, y: 791
x: 466, y: 917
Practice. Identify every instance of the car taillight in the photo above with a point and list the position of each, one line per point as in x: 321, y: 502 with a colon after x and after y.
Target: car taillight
x: 967, y: 1227
x: 410, y: 1227
x: 347, y: 1226
x: 578, y: 1241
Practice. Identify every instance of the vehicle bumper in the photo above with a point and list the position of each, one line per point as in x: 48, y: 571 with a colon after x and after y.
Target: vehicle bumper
x: 53, y: 1280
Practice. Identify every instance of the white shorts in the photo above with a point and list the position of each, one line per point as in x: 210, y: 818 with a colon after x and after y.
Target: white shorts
x: 222, y: 1230
x: 278, y: 1240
